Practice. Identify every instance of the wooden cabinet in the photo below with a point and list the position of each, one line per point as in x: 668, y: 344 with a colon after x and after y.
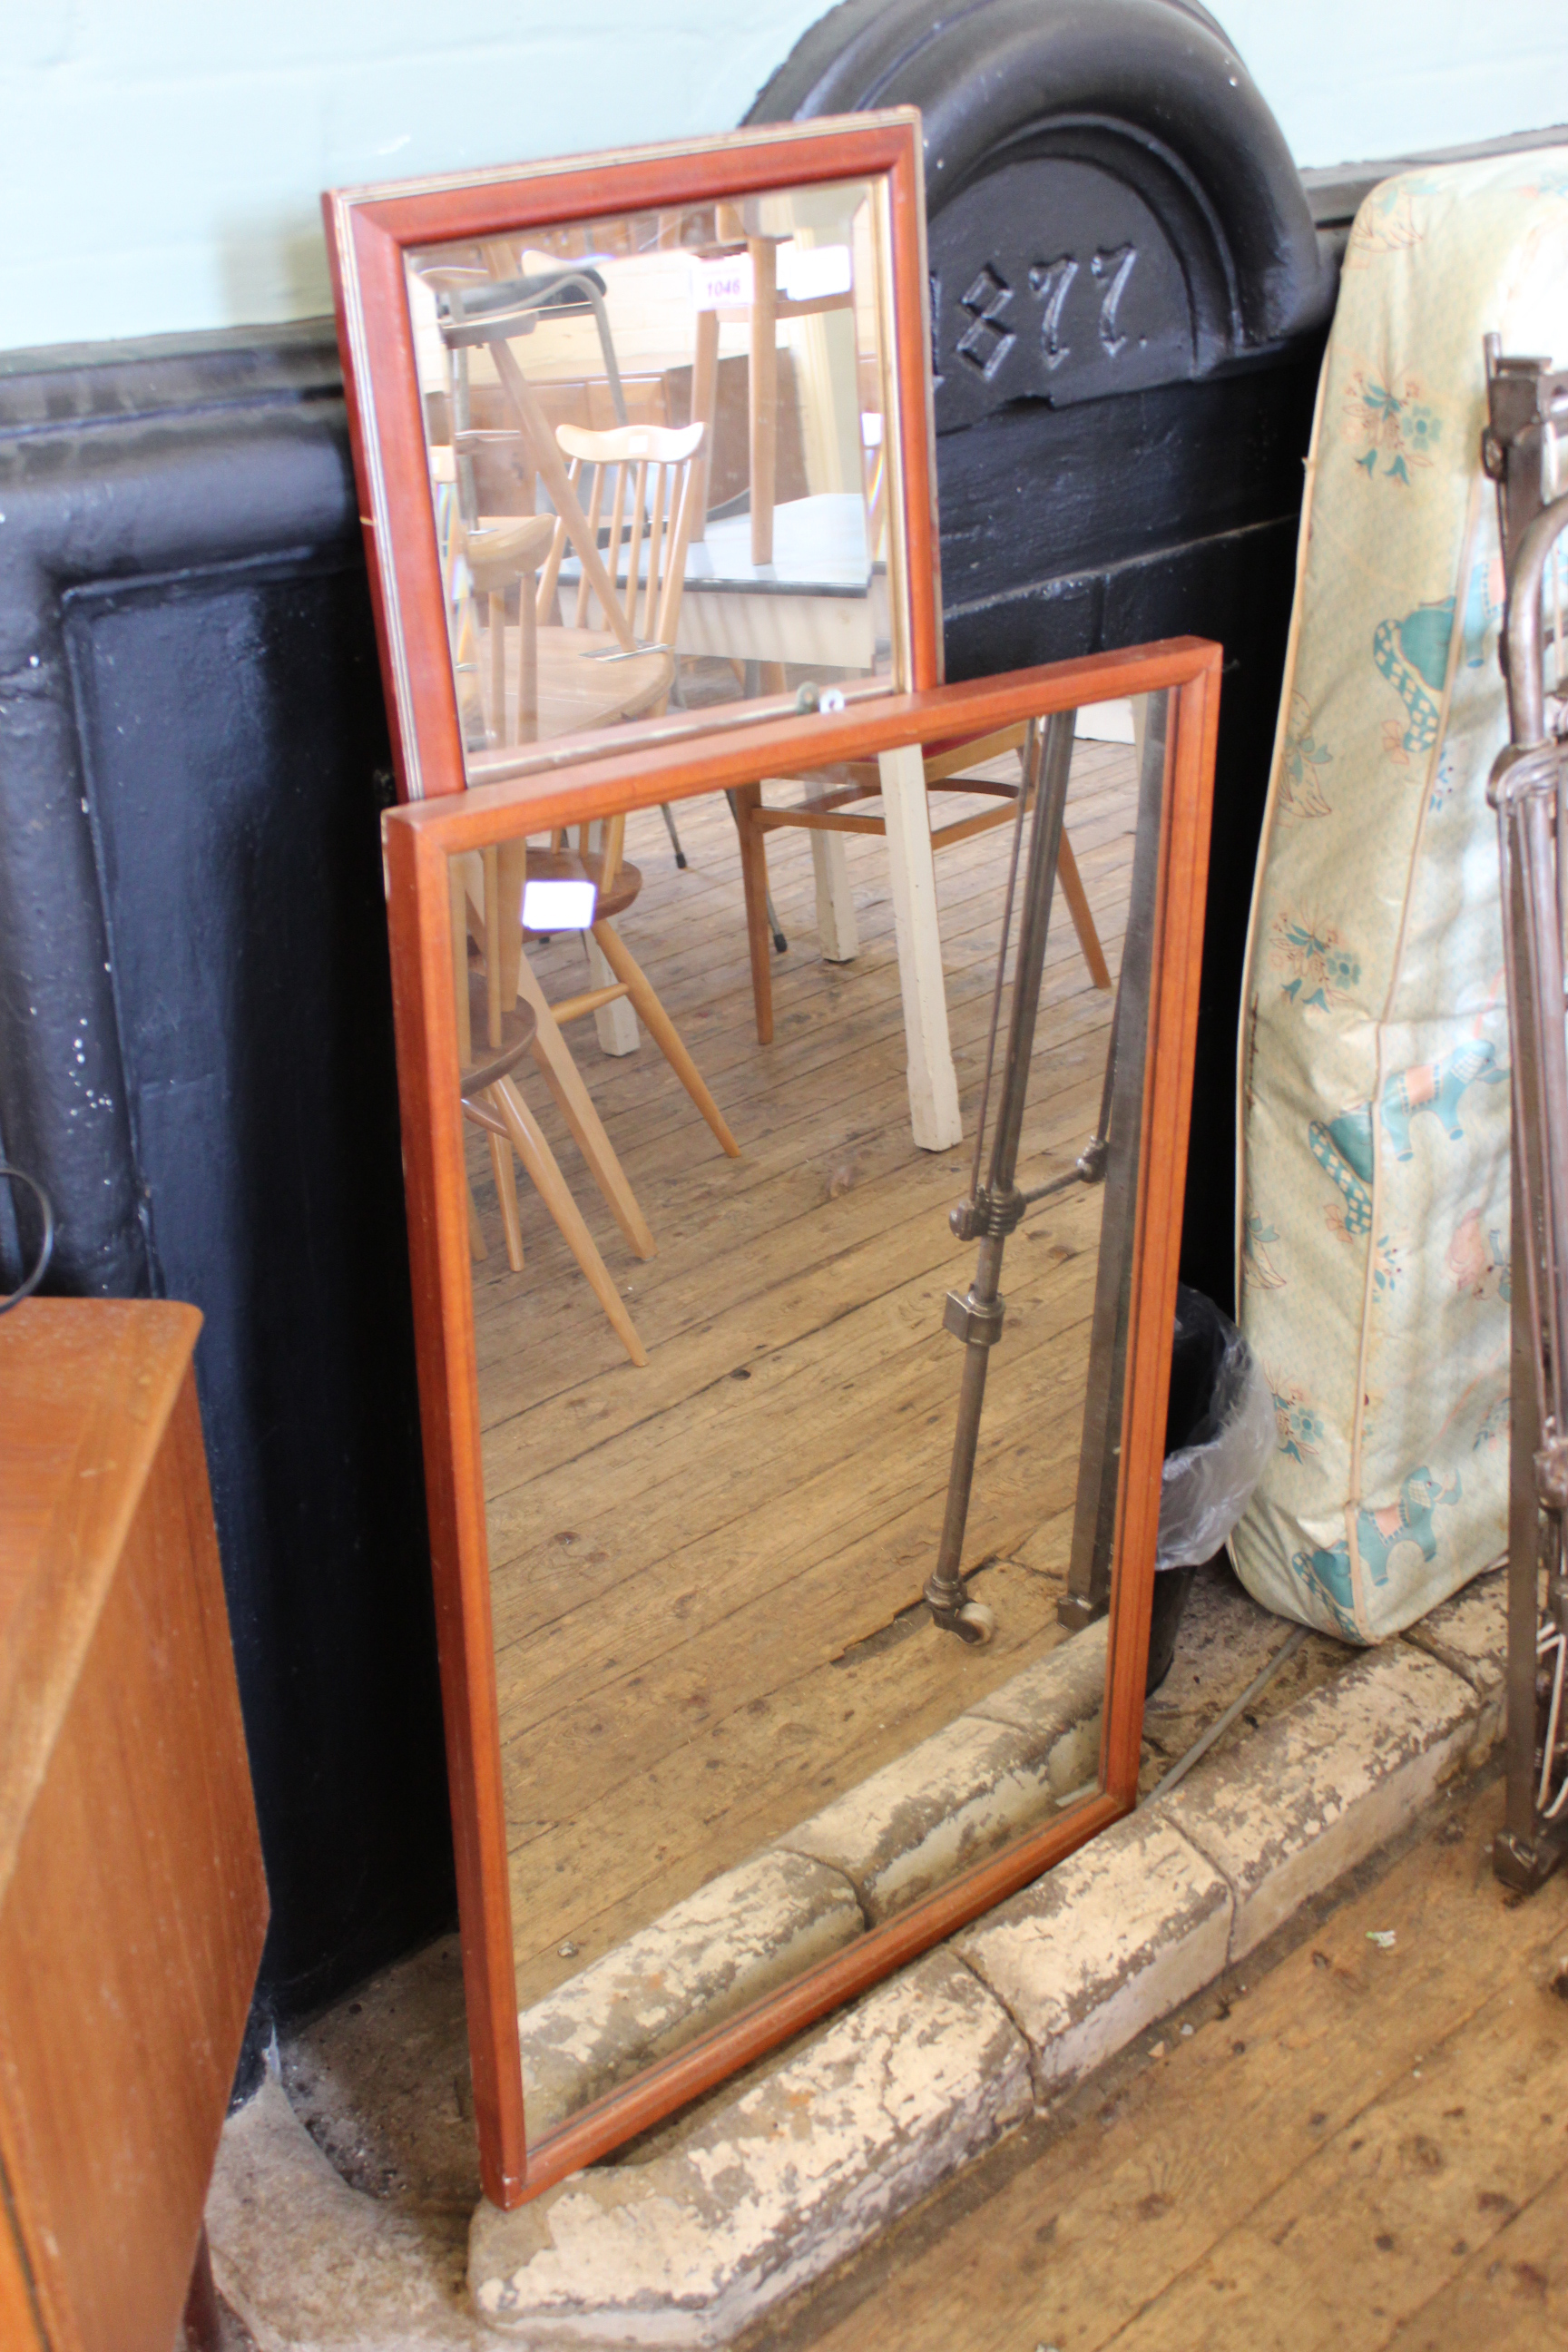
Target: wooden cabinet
x: 132, y: 1904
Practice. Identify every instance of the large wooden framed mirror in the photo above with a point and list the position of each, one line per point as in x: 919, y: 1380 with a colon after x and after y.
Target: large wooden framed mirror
x: 644, y: 440
x: 689, y: 1401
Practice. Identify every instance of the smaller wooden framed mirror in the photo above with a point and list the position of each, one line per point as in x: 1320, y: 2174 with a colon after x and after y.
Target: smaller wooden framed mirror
x: 720, y: 1753
x: 643, y: 441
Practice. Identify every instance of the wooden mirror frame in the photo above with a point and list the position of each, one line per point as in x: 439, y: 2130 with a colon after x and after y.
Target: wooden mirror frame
x: 419, y: 841
x: 370, y: 229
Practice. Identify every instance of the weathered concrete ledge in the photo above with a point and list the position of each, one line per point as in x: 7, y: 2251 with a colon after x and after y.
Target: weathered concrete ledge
x: 945, y: 1805
x: 776, y: 2180
x: 1003, y: 1766
x: 733, y: 1941
x: 688, y: 2250
x: 983, y: 1779
x: 1129, y: 1927
x: 1325, y: 1785
x: 770, y: 2187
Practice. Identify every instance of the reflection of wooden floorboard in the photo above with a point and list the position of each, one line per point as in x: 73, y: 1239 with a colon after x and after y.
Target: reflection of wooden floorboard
x: 705, y: 1569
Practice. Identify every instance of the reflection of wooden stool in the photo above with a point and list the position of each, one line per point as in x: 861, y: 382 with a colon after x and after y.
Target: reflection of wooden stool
x: 617, y: 886
x: 491, y: 1100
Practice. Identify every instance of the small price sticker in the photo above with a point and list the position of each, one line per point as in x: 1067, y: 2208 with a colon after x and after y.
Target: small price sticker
x: 722, y: 284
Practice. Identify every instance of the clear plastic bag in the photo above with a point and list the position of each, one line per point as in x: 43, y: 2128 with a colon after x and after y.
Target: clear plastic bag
x: 1222, y: 1409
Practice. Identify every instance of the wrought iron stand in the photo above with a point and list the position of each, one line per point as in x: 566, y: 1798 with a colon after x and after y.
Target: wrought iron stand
x: 992, y: 1209
x: 1528, y: 410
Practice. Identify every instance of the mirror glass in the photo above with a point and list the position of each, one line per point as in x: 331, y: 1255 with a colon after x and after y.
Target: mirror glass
x: 717, y: 1374
x: 659, y: 444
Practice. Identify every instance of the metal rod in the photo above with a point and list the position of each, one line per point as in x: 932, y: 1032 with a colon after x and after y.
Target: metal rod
x: 1526, y: 789
x: 1028, y: 790
x: 1523, y: 1537
x: 1100, y: 1455
x: 1546, y: 974
x: 1523, y: 628
x: 1222, y: 1723
x: 978, y: 1318
x: 1040, y: 883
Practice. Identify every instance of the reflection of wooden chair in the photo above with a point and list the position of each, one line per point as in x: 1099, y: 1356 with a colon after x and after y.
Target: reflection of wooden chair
x: 616, y: 658
x: 503, y: 554
x: 649, y: 530
x: 617, y: 885
x: 946, y: 768
x: 496, y: 1029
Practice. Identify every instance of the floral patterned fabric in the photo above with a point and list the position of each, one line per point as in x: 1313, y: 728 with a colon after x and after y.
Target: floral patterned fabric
x: 1373, y: 1177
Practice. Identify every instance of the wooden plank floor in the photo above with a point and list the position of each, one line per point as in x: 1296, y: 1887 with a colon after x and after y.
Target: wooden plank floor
x: 703, y: 1571
x: 1360, y: 2149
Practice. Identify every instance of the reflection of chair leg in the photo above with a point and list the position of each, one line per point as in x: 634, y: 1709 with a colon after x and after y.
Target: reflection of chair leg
x: 1076, y: 898
x: 662, y: 1029
x: 477, y: 1249
x: 934, y: 1085
x: 560, y: 1075
x: 506, y: 1194
x: 529, y: 1143
x: 754, y: 877
x: 667, y: 814
x: 616, y: 1024
x: 835, y: 925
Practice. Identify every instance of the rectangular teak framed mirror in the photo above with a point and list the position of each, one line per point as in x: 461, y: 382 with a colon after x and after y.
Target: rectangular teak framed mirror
x: 642, y: 440
x: 761, y: 1598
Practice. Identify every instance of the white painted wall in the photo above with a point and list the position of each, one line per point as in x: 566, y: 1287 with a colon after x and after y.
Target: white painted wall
x: 160, y: 159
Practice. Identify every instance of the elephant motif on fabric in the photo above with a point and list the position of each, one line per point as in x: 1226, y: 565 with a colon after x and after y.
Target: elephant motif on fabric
x: 1413, y: 655
x: 1436, y: 1087
x: 1342, y: 1148
x: 1327, y: 1573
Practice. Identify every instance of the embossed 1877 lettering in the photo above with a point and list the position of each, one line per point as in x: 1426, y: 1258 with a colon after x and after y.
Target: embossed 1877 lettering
x: 991, y: 335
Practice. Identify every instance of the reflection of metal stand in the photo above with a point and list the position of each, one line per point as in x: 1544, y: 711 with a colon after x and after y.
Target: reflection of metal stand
x: 991, y: 1210
x: 1528, y: 407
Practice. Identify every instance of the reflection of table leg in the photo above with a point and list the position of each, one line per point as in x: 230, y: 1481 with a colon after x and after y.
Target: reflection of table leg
x: 835, y: 925
x: 764, y: 380
x: 704, y: 411
x: 934, y: 1085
